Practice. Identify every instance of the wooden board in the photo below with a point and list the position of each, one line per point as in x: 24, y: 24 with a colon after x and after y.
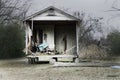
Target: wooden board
x: 48, y: 57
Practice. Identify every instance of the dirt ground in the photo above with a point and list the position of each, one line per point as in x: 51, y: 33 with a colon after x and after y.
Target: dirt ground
x: 19, y: 69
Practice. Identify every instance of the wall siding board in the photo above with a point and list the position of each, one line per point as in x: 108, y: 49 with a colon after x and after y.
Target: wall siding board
x: 70, y: 32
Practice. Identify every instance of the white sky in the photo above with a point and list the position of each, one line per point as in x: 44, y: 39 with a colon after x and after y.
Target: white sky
x: 97, y: 8
x: 93, y: 6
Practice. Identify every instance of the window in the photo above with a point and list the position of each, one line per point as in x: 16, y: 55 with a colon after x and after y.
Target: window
x: 51, y: 12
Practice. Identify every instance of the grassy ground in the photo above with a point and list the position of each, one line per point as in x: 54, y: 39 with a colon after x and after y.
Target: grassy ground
x: 19, y: 69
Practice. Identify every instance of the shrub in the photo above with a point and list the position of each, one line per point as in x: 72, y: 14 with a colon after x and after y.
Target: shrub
x: 114, y: 39
x: 93, y: 52
x: 11, y: 41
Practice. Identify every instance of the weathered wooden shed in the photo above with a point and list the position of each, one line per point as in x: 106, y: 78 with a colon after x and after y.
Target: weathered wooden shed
x: 55, y: 27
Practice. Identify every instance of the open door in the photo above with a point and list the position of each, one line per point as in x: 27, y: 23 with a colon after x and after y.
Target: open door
x: 65, y: 43
x: 39, y: 36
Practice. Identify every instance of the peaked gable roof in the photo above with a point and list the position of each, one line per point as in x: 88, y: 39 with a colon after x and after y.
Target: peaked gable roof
x: 49, y: 8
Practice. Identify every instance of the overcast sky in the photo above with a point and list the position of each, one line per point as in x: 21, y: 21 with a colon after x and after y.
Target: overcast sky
x: 97, y: 8
x: 92, y: 7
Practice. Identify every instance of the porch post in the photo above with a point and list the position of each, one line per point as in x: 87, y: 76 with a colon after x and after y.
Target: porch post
x: 26, y: 40
x: 30, y: 37
x: 26, y: 37
x: 77, y: 37
x: 32, y: 25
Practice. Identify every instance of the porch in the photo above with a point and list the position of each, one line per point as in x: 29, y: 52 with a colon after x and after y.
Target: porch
x: 59, y: 35
x: 32, y: 59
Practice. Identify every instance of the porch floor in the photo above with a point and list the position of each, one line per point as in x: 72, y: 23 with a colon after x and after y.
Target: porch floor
x: 38, y: 57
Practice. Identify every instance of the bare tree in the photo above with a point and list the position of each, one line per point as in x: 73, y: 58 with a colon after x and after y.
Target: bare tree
x: 12, y: 10
x: 88, y: 27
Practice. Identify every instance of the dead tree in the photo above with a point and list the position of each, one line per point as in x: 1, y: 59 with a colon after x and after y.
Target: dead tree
x: 88, y: 27
x: 13, y: 10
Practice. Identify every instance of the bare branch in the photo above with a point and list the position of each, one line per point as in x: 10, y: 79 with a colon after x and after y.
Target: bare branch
x: 13, y: 9
x: 87, y: 26
x: 116, y: 9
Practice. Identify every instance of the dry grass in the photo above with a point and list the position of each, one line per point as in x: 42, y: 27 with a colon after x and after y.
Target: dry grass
x: 93, y: 52
x: 18, y: 69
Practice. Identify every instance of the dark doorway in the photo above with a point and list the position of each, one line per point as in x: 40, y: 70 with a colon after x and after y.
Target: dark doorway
x: 40, y: 36
x: 65, y: 42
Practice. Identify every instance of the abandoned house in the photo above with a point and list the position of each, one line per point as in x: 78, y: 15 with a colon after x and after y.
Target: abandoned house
x: 56, y: 28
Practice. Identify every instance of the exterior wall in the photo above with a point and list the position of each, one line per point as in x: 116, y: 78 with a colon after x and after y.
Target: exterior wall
x: 70, y: 32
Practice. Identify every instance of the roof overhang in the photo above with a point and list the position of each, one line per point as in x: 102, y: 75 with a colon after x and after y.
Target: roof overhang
x: 59, y: 15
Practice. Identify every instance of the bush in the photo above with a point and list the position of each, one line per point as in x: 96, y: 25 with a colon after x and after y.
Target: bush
x: 93, y: 52
x: 114, y: 39
x: 11, y: 41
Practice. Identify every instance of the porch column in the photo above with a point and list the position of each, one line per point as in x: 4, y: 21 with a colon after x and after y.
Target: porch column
x: 31, y: 34
x: 26, y: 37
x: 26, y: 40
x: 77, y: 37
x: 32, y: 25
